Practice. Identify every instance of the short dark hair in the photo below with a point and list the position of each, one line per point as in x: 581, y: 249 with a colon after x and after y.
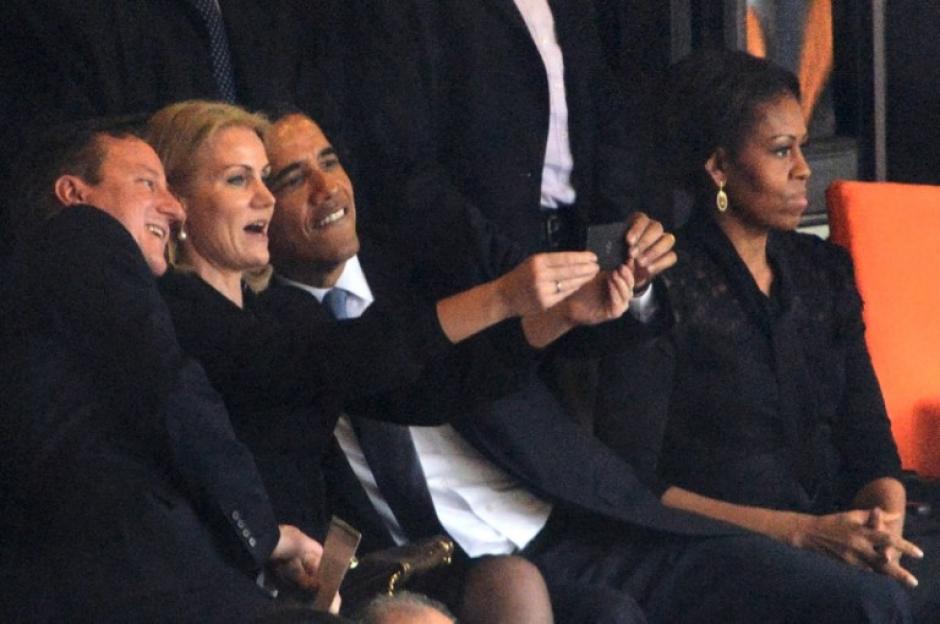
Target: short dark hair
x: 710, y: 99
x: 72, y: 148
x: 279, y: 110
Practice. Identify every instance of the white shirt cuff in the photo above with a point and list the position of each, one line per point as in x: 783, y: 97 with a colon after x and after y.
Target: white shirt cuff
x: 644, y: 307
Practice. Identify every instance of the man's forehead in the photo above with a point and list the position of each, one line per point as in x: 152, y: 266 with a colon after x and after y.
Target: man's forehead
x: 121, y: 143
x: 129, y: 150
x: 297, y: 136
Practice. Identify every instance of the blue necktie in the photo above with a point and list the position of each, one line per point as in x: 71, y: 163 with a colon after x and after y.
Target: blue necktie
x: 392, y: 457
x: 218, y: 48
x: 335, y: 302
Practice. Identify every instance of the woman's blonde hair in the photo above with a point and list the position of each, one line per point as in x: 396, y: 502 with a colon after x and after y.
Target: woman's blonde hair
x: 176, y: 132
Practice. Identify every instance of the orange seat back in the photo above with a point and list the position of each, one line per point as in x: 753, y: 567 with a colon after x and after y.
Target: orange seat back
x: 892, y: 232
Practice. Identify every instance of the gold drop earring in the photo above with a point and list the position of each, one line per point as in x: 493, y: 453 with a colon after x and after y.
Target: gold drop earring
x: 721, y: 198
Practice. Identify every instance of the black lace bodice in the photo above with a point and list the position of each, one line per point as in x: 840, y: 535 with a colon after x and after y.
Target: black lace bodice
x: 774, y: 401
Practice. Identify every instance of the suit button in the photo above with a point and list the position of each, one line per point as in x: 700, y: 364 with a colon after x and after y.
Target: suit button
x: 246, y: 533
x: 236, y: 515
x: 252, y: 541
x: 241, y: 524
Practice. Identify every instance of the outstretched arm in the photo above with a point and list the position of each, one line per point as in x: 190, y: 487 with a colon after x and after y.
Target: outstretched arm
x: 537, y: 284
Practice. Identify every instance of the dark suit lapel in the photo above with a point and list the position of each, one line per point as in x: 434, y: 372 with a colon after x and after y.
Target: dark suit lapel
x: 351, y: 503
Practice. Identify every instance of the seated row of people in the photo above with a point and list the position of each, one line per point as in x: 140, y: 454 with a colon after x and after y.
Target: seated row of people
x: 130, y: 476
x: 139, y: 440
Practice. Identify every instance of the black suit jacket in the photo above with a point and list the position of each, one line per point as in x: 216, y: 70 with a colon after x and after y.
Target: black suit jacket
x: 121, y: 477
x: 455, y: 98
x: 508, y: 413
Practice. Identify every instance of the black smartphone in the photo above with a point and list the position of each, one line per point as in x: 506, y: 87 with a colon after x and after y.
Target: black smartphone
x: 608, y: 243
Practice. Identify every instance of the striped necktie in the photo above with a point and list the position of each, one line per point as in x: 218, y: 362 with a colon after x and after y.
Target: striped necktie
x: 219, y: 51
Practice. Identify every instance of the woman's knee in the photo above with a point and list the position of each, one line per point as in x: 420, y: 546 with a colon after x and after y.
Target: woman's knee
x: 505, y: 589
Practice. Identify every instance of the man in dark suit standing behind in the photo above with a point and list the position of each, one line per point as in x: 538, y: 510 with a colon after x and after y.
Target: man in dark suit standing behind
x: 126, y: 495
x: 498, y: 117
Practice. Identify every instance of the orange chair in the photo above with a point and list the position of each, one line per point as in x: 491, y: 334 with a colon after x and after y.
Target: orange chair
x: 892, y: 232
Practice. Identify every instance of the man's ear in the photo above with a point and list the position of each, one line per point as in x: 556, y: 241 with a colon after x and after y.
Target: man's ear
x: 716, y: 166
x: 71, y: 190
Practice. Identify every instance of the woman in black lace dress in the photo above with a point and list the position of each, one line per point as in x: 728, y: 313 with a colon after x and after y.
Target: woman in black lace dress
x: 774, y: 419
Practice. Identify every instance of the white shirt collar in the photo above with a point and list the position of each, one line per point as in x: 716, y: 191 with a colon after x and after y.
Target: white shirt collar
x: 352, y: 280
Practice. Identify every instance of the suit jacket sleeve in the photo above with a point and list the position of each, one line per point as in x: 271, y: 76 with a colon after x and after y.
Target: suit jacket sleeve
x: 529, y: 436
x: 487, y: 366
x: 109, y: 305
x: 290, y: 357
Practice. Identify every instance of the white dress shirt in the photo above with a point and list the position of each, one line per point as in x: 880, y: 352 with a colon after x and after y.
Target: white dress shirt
x: 352, y: 280
x: 556, y: 171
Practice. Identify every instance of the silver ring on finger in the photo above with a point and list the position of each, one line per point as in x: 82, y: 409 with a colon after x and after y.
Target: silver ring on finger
x: 557, y: 287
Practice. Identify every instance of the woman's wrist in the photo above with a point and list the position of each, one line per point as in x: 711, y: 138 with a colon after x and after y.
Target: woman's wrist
x: 794, y: 528
x: 542, y: 329
x: 501, y: 294
x: 471, y: 311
